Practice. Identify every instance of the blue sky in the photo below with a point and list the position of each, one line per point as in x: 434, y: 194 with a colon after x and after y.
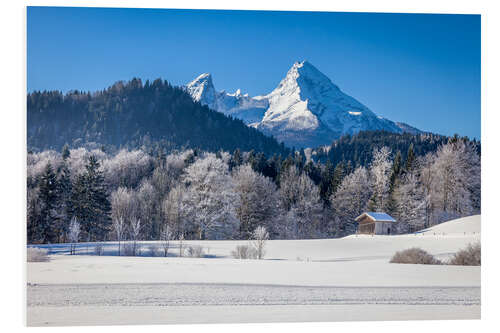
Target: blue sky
x: 421, y: 69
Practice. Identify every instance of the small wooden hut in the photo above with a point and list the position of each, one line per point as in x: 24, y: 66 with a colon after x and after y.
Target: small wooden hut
x: 375, y: 223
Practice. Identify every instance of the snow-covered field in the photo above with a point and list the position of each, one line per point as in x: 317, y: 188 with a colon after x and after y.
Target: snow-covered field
x: 300, y: 280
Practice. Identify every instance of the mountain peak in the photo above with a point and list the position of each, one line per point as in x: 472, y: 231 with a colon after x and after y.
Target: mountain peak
x: 236, y: 104
x: 306, y: 109
x: 203, y: 79
x: 202, y: 89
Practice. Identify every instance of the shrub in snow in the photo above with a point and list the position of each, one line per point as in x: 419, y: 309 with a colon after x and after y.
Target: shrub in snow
x: 470, y: 256
x: 244, y: 252
x: 414, y: 256
x: 195, y: 251
x: 37, y: 255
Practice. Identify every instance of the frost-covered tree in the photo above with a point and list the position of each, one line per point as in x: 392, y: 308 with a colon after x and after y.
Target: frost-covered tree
x: 174, y: 211
x: 302, y: 205
x: 119, y: 230
x: 168, y: 174
x: 427, y: 178
x: 74, y: 233
x: 79, y: 157
x: 127, y: 168
x: 120, y: 210
x: 457, y: 172
x: 380, y: 170
x: 166, y: 237
x: 351, y: 199
x: 258, y: 204
x: 210, y: 198
x: 135, y: 230
x: 148, y: 210
x: 37, y: 162
x: 123, y: 204
x: 259, y: 238
x: 411, y: 204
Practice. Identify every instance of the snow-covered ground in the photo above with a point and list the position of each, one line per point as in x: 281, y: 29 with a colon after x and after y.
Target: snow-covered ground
x: 315, y: 277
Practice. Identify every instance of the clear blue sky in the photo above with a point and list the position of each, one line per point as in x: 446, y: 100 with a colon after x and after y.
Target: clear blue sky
x: 421, y: 69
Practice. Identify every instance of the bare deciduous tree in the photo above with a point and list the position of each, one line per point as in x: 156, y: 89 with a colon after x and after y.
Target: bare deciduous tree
x: 119, y: 229
x: 260, y: 237
x: 73, y: 233
x: 135, y: 229
x: 166, y: 237
x: 181, y: 245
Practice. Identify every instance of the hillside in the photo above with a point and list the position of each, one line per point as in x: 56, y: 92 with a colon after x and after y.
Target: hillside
x: 358, y: 148
x: 132, y: 114
x: 465, y: 225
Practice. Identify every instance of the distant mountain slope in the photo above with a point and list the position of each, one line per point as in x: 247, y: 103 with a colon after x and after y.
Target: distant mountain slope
x: 358, y: 148
x: 306, y: 109
x: 154, y: 115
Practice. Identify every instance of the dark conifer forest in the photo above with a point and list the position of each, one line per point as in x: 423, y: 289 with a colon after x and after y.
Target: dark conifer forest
x: 155, y: 116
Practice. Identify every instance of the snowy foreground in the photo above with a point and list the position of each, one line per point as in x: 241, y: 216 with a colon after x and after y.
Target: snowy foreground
x: 300, y: 280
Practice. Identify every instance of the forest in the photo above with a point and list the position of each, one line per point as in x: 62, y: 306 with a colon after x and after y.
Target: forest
x: 154, y: 116
x: 187, y: 193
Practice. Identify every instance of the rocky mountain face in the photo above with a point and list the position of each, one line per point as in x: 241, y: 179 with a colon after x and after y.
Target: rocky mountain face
x: 306, y: 109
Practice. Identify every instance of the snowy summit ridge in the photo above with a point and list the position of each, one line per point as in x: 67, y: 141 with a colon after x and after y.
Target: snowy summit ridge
x: 237, y: 105
x: 306, y: 109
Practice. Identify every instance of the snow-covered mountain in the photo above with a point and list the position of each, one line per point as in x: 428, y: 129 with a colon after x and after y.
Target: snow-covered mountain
x: 237, y: 105
x: 306, y: 109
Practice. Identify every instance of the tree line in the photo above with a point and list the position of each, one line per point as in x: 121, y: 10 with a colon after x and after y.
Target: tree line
x: 192, y: 194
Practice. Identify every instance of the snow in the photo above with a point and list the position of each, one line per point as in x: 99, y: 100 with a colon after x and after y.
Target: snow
x: 467, y: 225
x: 351, y: 274
x: 376, y: 216
x: 156, y: 315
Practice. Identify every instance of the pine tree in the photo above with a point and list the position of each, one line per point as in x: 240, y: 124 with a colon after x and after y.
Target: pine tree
x: 64, y: 187
x: 410, y: 159
x: 65, y: 152
x: 327, y: 176
x: 338, y: 175
x: 313, y: 172
x: 393, y: 182
x: 90, y: 203
x: 236, y: 159
x: 48, y: 196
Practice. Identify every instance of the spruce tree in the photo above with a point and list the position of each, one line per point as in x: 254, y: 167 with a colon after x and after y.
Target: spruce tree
x: 326, y: 185
x: 65, y: 152
x: 338, y: 175
x: 236, y: 159
x: 64, y: 187
x: 45, y: 231
x: 90, y: 203
x: 410, y: 159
